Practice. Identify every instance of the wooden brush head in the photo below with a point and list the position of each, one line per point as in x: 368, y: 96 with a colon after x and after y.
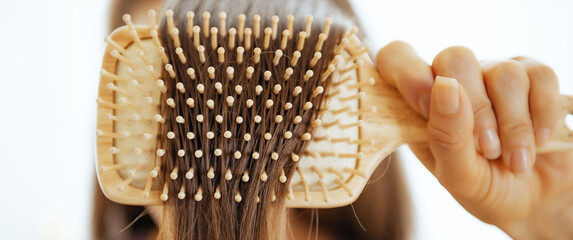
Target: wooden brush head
x: 244, y: 106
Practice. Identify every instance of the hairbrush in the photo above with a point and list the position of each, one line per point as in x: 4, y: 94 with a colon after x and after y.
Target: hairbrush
x: 247, y: 97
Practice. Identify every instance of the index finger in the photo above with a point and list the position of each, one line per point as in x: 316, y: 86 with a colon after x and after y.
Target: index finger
x: 400, y: 66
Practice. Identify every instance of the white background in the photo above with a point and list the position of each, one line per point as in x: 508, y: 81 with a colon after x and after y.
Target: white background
x: 50, y: 53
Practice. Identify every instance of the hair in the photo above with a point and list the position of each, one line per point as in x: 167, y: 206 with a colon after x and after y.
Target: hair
x: 383, y: 203
x: 253, y: 209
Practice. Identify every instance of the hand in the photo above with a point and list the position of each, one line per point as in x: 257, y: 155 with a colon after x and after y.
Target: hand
x: 499, y: 111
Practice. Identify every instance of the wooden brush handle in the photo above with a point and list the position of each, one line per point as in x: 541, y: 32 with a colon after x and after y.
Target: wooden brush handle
x: 396, y: 122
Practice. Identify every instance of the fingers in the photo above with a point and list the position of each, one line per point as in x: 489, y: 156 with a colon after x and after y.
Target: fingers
x: 401, y: 67
x: 544, y: 98
x: 450, y: 135
x: 461, y: 64
x: 507, y: 86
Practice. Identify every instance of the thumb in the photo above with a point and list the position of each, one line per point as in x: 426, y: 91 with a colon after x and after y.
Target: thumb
x: 450, y: 135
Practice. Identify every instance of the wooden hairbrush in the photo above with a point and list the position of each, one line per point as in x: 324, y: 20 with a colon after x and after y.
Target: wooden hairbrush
x: 358, y: 121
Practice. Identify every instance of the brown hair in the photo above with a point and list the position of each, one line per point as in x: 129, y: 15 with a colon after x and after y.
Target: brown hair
x: 245, y: 209
x: 385, y: 200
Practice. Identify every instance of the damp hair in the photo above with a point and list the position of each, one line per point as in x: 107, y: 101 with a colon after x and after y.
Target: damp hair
x: 237, y: 144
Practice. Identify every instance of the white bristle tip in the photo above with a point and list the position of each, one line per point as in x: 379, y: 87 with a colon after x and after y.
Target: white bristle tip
x: 227, y: 134
x: 180, y: 119
x: 160, y: 152
x: 269, y: 103
x: 198, y: 197
x: 190, y: 135
x: 171, y: 135
x: 256, y: 155
x: 277, y: 88
x: 230, y: 100
x: 181, y: 153
x: 317, y: 123
x: 297, y: 119
x: 278, y: 119
x: 264, y: 177
x: 163, y: 197
x: 218, y: 152
x: 294, y: 157
x: 190, y: 102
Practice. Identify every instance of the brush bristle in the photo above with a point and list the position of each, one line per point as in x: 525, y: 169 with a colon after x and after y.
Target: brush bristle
x: 256, y: 80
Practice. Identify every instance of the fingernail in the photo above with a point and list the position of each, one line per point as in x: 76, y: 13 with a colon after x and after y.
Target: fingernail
x: 489, y: 144
x: 424, y: 104
x: 520, y: 161
x: 542, y: 136
x: 447, y: 95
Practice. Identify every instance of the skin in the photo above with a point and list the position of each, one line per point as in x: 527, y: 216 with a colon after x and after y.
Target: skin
x: 484, y: 123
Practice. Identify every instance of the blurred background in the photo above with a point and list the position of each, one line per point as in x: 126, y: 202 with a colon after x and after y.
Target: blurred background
x: 50, y: 53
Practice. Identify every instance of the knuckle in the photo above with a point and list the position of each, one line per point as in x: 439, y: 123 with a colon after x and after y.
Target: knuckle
x: 398, y: 44
x: 482, y: 108
x: 455, y: 55
x: 443, y: 138
x: 542, y: 72
x: 508, y: 70
x: 516, y: 125
x: 483, y: 113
